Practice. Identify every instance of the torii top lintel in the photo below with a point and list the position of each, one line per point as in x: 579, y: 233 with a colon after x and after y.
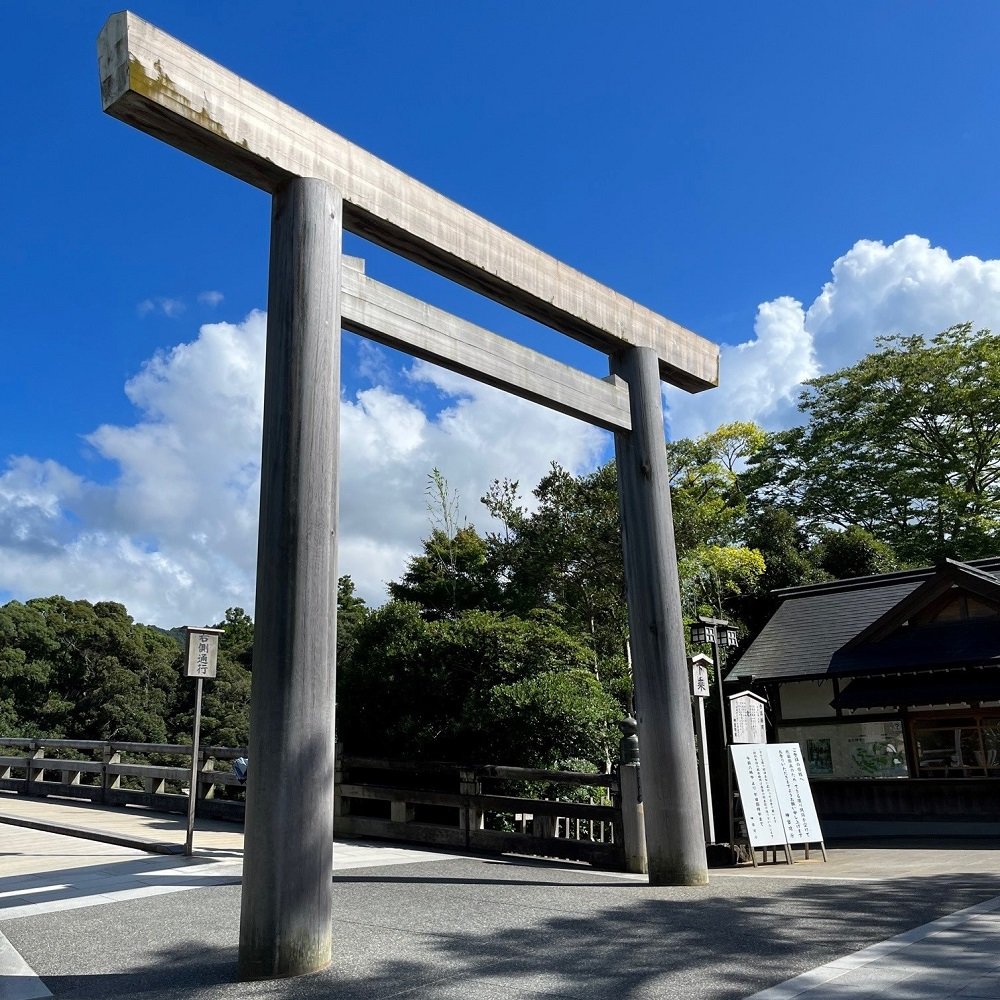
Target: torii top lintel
x: 163, y: 87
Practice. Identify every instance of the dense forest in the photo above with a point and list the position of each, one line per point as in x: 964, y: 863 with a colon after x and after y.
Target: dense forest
x: 511, y: 646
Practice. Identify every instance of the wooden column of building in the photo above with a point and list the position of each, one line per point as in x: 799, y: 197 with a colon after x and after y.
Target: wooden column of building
x: 285, y: 926
x: 675, y: 844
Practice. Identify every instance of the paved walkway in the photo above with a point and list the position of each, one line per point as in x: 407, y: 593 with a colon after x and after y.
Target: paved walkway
x: 897, y: 924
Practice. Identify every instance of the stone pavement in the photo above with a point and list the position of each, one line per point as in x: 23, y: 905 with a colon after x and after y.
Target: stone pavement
x: 901, y: 923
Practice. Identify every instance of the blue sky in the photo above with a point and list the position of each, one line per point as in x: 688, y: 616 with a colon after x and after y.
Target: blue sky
x: 787, y: 179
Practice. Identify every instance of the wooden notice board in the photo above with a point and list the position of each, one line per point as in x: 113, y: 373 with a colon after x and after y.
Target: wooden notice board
x: 775, y: 795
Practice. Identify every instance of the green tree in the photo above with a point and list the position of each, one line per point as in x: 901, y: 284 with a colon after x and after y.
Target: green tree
x: 905, y: 444
x: 853, y: 552
x: 351, y: 614
x: 72, y: 669
x: 448, y: 689
x: 786, y: 549
x: 565, y: 555
x: 237, y: 636
x: 716, y: 565
x: 450, y: 576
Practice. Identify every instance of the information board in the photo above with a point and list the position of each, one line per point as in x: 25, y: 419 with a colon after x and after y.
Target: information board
x: 798, y: 811
x: 774, y: 791
x: 761, y: 809
x: 747, y: 718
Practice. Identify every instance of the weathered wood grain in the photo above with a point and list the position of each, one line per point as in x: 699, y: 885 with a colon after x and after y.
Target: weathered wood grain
x: 158, y: 84
x: 285, y: 924
x: 675, y: 845
x: 391, y: 317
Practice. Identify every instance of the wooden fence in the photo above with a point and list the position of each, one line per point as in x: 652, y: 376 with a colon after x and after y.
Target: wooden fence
x: 121, y: 774
x: 486, y: 807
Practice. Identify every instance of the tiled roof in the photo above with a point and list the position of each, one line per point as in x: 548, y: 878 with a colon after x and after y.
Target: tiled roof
x: 813, y: 622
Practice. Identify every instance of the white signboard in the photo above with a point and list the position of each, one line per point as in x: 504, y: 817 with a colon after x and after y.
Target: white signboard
x: 774, y: 790
x: 760, y: 802
x: 699, y: 680
x: 798, y: 811
x: 746, y: 717
x: 202, y: 653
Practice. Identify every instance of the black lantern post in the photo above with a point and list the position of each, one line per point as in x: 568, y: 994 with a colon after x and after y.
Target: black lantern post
x: 719, y: 634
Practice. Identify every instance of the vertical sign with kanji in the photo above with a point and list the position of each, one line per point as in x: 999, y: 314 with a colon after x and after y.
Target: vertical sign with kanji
x: 747, y: 720
x: 699, y: 688
x: 699, y: 678
x: 202, y: 652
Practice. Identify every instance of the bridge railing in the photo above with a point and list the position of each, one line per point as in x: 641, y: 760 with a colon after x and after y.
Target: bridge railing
x: 122, y: 773
x: 486, y: 807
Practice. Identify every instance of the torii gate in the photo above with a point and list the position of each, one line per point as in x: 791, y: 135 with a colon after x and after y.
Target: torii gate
x: 319, y: 183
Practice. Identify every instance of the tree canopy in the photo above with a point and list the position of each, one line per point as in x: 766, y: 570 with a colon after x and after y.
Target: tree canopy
x: 76, y: 669
x: 905, y: 444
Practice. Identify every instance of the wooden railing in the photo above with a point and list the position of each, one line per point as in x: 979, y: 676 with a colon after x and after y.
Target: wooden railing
x: 94, y: 770
x: 478, y: 808
x: 486, y: 807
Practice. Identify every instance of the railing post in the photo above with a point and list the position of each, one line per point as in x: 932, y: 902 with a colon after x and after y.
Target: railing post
x: 543, y: 826
x: 109, y: 782
x: 206, y: 789
x: 630, y: 799
x: 472, y: 817
x: 37, y: 754
x: 155, y: 786
x: 400, y: 811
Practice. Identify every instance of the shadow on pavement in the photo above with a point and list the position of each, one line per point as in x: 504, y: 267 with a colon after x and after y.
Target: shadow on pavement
x: 456, y: 931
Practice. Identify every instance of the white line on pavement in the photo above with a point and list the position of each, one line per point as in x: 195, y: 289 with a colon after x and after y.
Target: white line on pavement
x: 17, y: 979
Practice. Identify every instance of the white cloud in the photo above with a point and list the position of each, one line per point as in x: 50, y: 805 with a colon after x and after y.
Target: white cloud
x: 904, y: 287
x: 210, y: 298
x: 173, y: 536
x: 389, y: 446
x: 171, y: 308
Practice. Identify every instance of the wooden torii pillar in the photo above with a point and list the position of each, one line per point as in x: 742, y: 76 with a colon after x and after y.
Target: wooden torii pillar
x: 319, y: 183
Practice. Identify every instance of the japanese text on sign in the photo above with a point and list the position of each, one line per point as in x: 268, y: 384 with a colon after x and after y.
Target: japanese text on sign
x: 774, y: 790
x: 202, y: 654
x: 746, y: 713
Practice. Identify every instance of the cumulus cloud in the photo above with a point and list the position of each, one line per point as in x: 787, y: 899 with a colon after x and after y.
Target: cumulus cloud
x: 173, y: 536
x: 904, y: 287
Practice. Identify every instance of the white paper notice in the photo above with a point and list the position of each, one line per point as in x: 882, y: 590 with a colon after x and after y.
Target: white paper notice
x: 757, y: 794
x: 798, y: 811
x: 774, y: 790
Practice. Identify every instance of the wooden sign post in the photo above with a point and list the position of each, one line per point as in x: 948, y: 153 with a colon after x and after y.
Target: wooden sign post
x: 200, y: 662
x: 700, y: 691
